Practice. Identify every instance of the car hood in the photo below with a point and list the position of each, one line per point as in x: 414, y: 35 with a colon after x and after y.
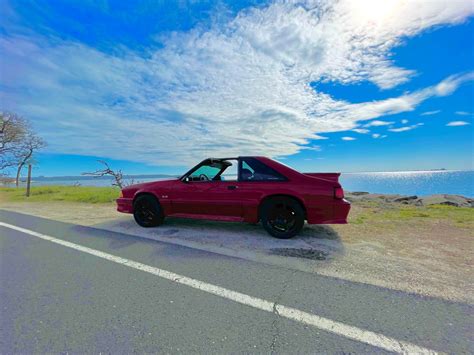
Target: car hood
x: 151, y: 184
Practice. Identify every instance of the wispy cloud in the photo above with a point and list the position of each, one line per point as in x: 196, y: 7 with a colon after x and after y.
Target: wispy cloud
x: 462, y: 113
x: 348, y: 138
x: 378, y: 123
x: 457, y: 123
x: 429, y: 113
x: 377, y: 135
x: 238, y: 87
x: 406, y: 128
x: 404, y: 121
x: 316, y: 148
x: 361, y: 130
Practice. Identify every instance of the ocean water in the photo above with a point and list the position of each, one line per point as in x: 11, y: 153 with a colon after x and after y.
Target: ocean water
x: 419, y: 183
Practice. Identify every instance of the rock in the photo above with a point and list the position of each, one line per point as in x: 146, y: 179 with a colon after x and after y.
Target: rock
x: 359, y: 193
x: 441, y: 199
x: 356, y: 196
x: 406, y: 199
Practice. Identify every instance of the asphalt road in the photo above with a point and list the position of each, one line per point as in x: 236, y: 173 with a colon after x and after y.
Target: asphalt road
x: 55, y: 298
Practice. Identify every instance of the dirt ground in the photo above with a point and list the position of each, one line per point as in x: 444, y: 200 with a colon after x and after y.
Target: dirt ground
x: 427, y: 256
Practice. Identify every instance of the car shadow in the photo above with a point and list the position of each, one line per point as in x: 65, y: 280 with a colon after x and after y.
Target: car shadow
x: 315, y: 242
x: 308, y: 231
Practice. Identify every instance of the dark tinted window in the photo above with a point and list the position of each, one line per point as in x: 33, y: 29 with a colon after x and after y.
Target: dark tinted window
x: 255, y: 170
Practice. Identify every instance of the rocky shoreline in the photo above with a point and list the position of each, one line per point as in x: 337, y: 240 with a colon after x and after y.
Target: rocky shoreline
x: 437, y: 199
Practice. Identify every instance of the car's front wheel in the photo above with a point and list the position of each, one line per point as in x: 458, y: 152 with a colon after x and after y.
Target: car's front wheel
x: 147, y: 211
x: 282, y: 217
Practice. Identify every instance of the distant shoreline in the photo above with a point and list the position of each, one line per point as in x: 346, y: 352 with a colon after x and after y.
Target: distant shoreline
x: 149, y: 176
x: 408, y: 171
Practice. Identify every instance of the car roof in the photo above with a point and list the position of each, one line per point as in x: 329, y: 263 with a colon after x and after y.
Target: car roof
x: 239, y: 157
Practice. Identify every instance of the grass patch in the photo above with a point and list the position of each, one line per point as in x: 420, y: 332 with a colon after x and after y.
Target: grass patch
x: 86, y: 194
x: 381, y: 213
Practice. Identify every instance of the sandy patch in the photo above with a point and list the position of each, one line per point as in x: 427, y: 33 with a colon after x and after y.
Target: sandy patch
x: 78, y: 213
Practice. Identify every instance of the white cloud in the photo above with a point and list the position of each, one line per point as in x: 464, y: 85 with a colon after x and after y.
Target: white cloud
x: 348, y: 138
x: 316, y: 148
x: 375, y: 135
x: 429, y: 113
x: 378, y: 123
x: 401, y: 129
x: 240, y: 87
x: 457, y: 123
x: 448, y: 86
x: 406, y: 128
x: 462, y: 113
x: 361, y: 130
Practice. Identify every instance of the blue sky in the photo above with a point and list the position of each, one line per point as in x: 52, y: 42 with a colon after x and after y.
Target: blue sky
x: 156, y: 86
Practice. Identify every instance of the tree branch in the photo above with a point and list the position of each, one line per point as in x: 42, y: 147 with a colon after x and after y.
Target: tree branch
x: 117, y: 175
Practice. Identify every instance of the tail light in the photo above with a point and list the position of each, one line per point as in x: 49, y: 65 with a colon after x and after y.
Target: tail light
x: 338, y: 193
x: 121, y: 194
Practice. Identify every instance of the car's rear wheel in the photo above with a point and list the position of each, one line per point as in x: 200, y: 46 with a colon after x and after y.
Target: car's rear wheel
x: 282, y: 217
x: 147, y: 211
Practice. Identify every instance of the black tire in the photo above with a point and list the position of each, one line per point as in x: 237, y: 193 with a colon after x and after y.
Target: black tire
x: 147, y: 211
x: 282, y: 217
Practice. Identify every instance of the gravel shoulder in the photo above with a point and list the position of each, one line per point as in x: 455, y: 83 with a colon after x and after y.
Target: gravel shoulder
x: 420, y: 249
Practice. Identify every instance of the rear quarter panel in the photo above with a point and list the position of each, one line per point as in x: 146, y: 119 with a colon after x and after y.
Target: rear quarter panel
x: 316, y: 196
x: 315, y: 190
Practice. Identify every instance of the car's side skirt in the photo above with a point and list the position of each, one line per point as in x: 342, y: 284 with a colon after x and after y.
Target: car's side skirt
x: 207, y: 217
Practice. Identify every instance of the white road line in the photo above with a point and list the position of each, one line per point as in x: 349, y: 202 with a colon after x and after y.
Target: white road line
x: 341, y: 329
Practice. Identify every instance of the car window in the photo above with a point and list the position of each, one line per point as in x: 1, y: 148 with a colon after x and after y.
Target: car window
x: 246, y: 166
x: 204, y: 173
x: 231, y: 172
x: 255, y: 170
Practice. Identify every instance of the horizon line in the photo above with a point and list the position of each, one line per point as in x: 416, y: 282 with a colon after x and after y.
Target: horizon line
x: 177, y: 175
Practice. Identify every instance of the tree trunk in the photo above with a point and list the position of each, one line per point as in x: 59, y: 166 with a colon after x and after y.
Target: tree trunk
x: 21, y: 165
x: 28, y: 182
x: 17, y: 181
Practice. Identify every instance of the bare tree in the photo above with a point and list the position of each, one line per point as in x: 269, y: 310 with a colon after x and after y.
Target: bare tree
x: 117, y: 175
x: 13, y: 129
x: 18, y: 143
x: 31, y: 143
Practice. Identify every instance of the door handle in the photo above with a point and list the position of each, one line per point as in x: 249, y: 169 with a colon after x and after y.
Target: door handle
x: 232, y: 187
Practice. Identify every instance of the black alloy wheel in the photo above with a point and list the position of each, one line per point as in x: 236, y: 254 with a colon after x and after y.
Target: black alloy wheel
x: 147, y: 211
x: 282, y: 217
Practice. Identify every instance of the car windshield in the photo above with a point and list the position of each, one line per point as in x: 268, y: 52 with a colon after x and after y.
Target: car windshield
x: 205, y: 172
x: 214, y: 170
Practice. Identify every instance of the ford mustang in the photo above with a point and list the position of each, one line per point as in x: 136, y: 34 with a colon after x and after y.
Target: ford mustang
x: 245, y: 189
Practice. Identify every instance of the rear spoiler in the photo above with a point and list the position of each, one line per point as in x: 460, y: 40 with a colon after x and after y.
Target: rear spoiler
x: 326, y: 176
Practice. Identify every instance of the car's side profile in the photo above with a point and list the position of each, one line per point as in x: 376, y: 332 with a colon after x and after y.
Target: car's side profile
x: 244, y: 189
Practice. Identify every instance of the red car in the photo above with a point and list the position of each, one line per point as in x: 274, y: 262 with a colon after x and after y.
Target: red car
x: 243, y: 189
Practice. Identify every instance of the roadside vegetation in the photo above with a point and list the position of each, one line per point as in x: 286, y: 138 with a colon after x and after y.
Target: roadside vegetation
x: 85, y: 194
